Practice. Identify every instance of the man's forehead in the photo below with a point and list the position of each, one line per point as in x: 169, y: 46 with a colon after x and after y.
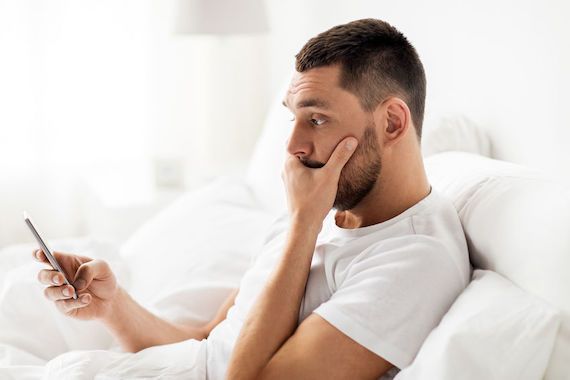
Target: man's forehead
x: 326, y: 76
x: 315, y: 85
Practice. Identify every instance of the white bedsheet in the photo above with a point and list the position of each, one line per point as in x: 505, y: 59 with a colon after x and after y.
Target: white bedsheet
x: 205, y: 241
x: 38, y: 342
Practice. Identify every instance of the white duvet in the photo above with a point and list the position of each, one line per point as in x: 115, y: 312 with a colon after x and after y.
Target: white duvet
x: 182, y: 265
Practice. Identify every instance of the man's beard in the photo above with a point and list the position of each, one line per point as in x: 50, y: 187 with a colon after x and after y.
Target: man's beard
x: 360, y: 173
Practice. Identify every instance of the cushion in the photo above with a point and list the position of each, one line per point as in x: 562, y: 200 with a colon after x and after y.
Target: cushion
x: 516, y: 223
x: 454, y: 132
x: 187, y: 258
x: 493, y: 330
x: 264, y: 171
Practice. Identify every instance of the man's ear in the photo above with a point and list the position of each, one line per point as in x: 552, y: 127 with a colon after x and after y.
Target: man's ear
x: 393, y: 119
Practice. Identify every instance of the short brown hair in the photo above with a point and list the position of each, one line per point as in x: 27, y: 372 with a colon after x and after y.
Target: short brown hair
x: 377, y: 61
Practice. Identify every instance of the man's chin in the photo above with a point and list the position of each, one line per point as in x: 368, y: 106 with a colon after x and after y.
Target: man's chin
x: 345, y: 205
x: 346, y: 201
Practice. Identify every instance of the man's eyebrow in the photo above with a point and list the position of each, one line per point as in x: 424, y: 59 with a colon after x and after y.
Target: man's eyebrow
x: 311, y: 102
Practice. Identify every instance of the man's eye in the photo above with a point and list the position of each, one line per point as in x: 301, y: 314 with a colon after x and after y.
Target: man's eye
x: 317, y: 122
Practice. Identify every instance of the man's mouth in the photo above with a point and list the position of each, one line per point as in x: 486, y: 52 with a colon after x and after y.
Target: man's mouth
x: 311, y: 164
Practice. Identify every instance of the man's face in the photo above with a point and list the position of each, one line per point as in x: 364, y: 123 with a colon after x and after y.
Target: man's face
x: 324, y: 114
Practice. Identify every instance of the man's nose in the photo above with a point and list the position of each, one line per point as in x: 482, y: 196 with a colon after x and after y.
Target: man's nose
x: 298, y: 144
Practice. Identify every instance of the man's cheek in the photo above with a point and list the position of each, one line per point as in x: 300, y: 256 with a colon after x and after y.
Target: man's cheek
x: 345, y: 173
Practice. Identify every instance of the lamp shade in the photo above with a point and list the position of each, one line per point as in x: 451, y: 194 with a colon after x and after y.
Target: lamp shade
x: 221, y: 17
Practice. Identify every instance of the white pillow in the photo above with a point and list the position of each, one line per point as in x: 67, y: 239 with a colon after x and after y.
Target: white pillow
x: 266, y: 163
x: 493, y: 330
x: 516, y: 223
x: 196, y: 249
x: 454, y: 132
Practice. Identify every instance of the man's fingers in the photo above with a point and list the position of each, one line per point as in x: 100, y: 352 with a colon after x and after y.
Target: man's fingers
x: 39, y: 256
x: 88, y: 271
x: 293, y: 161
x: 67, y: 306
x: 54, y: 293
x: 50, y: 277
x: 342, y: 154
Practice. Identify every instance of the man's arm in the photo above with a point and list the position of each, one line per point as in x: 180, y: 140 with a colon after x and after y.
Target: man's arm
x: 136, y: 328
x: 101, y: 298
x: 270, y: 345
x: 317, y: 350
x: 274, y: 316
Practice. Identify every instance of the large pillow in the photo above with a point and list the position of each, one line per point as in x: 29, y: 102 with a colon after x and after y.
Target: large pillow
x: 493, y: 331
x: 266, y: 163
x: 516, y: 223
x: 454, y: 132
x: 184, y: 261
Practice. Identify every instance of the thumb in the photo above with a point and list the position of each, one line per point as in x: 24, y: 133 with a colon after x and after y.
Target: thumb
x: 342, y: 153
x: 89, y: 271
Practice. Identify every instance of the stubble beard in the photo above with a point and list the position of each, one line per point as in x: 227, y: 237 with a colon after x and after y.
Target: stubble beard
x: 361, y: 172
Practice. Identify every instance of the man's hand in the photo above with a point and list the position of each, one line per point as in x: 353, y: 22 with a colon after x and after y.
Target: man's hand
x: 93, y: 280
x: 311, y: 192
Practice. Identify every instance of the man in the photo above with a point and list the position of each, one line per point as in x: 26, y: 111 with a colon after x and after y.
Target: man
x: 369, y: 257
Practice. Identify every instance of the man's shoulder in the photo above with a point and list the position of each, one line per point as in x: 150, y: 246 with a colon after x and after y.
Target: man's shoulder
x: 419, y: 246
x: 413, y: 254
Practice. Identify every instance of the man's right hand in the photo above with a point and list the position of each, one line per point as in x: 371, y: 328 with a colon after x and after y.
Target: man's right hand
x: 94, y: 282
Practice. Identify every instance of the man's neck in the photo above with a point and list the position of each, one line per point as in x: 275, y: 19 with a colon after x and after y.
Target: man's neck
x: 396, y: 191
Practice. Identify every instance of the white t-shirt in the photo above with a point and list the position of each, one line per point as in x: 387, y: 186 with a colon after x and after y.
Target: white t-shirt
x: 386, y: 286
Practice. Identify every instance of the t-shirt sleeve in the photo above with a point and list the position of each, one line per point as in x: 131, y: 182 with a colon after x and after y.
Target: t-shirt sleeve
x: 392, y: 295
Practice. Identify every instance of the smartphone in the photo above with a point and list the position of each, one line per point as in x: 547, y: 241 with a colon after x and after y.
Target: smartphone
x: 46, y: 250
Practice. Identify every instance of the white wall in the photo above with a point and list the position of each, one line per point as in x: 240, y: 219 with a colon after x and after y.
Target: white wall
x: 73, y: 93
x: 106, y: 83
x: 95, y: 86
x: 504, y: 64
x: 208, y: 95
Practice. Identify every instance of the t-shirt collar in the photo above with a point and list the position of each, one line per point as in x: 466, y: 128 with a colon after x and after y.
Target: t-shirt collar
x: 362, y: 231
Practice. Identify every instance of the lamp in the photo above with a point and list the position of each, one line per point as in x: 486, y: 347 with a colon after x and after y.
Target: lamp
x: 227, y: 50
x: 221, y: 17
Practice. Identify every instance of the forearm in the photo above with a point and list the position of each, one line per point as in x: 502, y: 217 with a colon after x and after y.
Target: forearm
x: 275, y: 314
x: 136, y: 328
